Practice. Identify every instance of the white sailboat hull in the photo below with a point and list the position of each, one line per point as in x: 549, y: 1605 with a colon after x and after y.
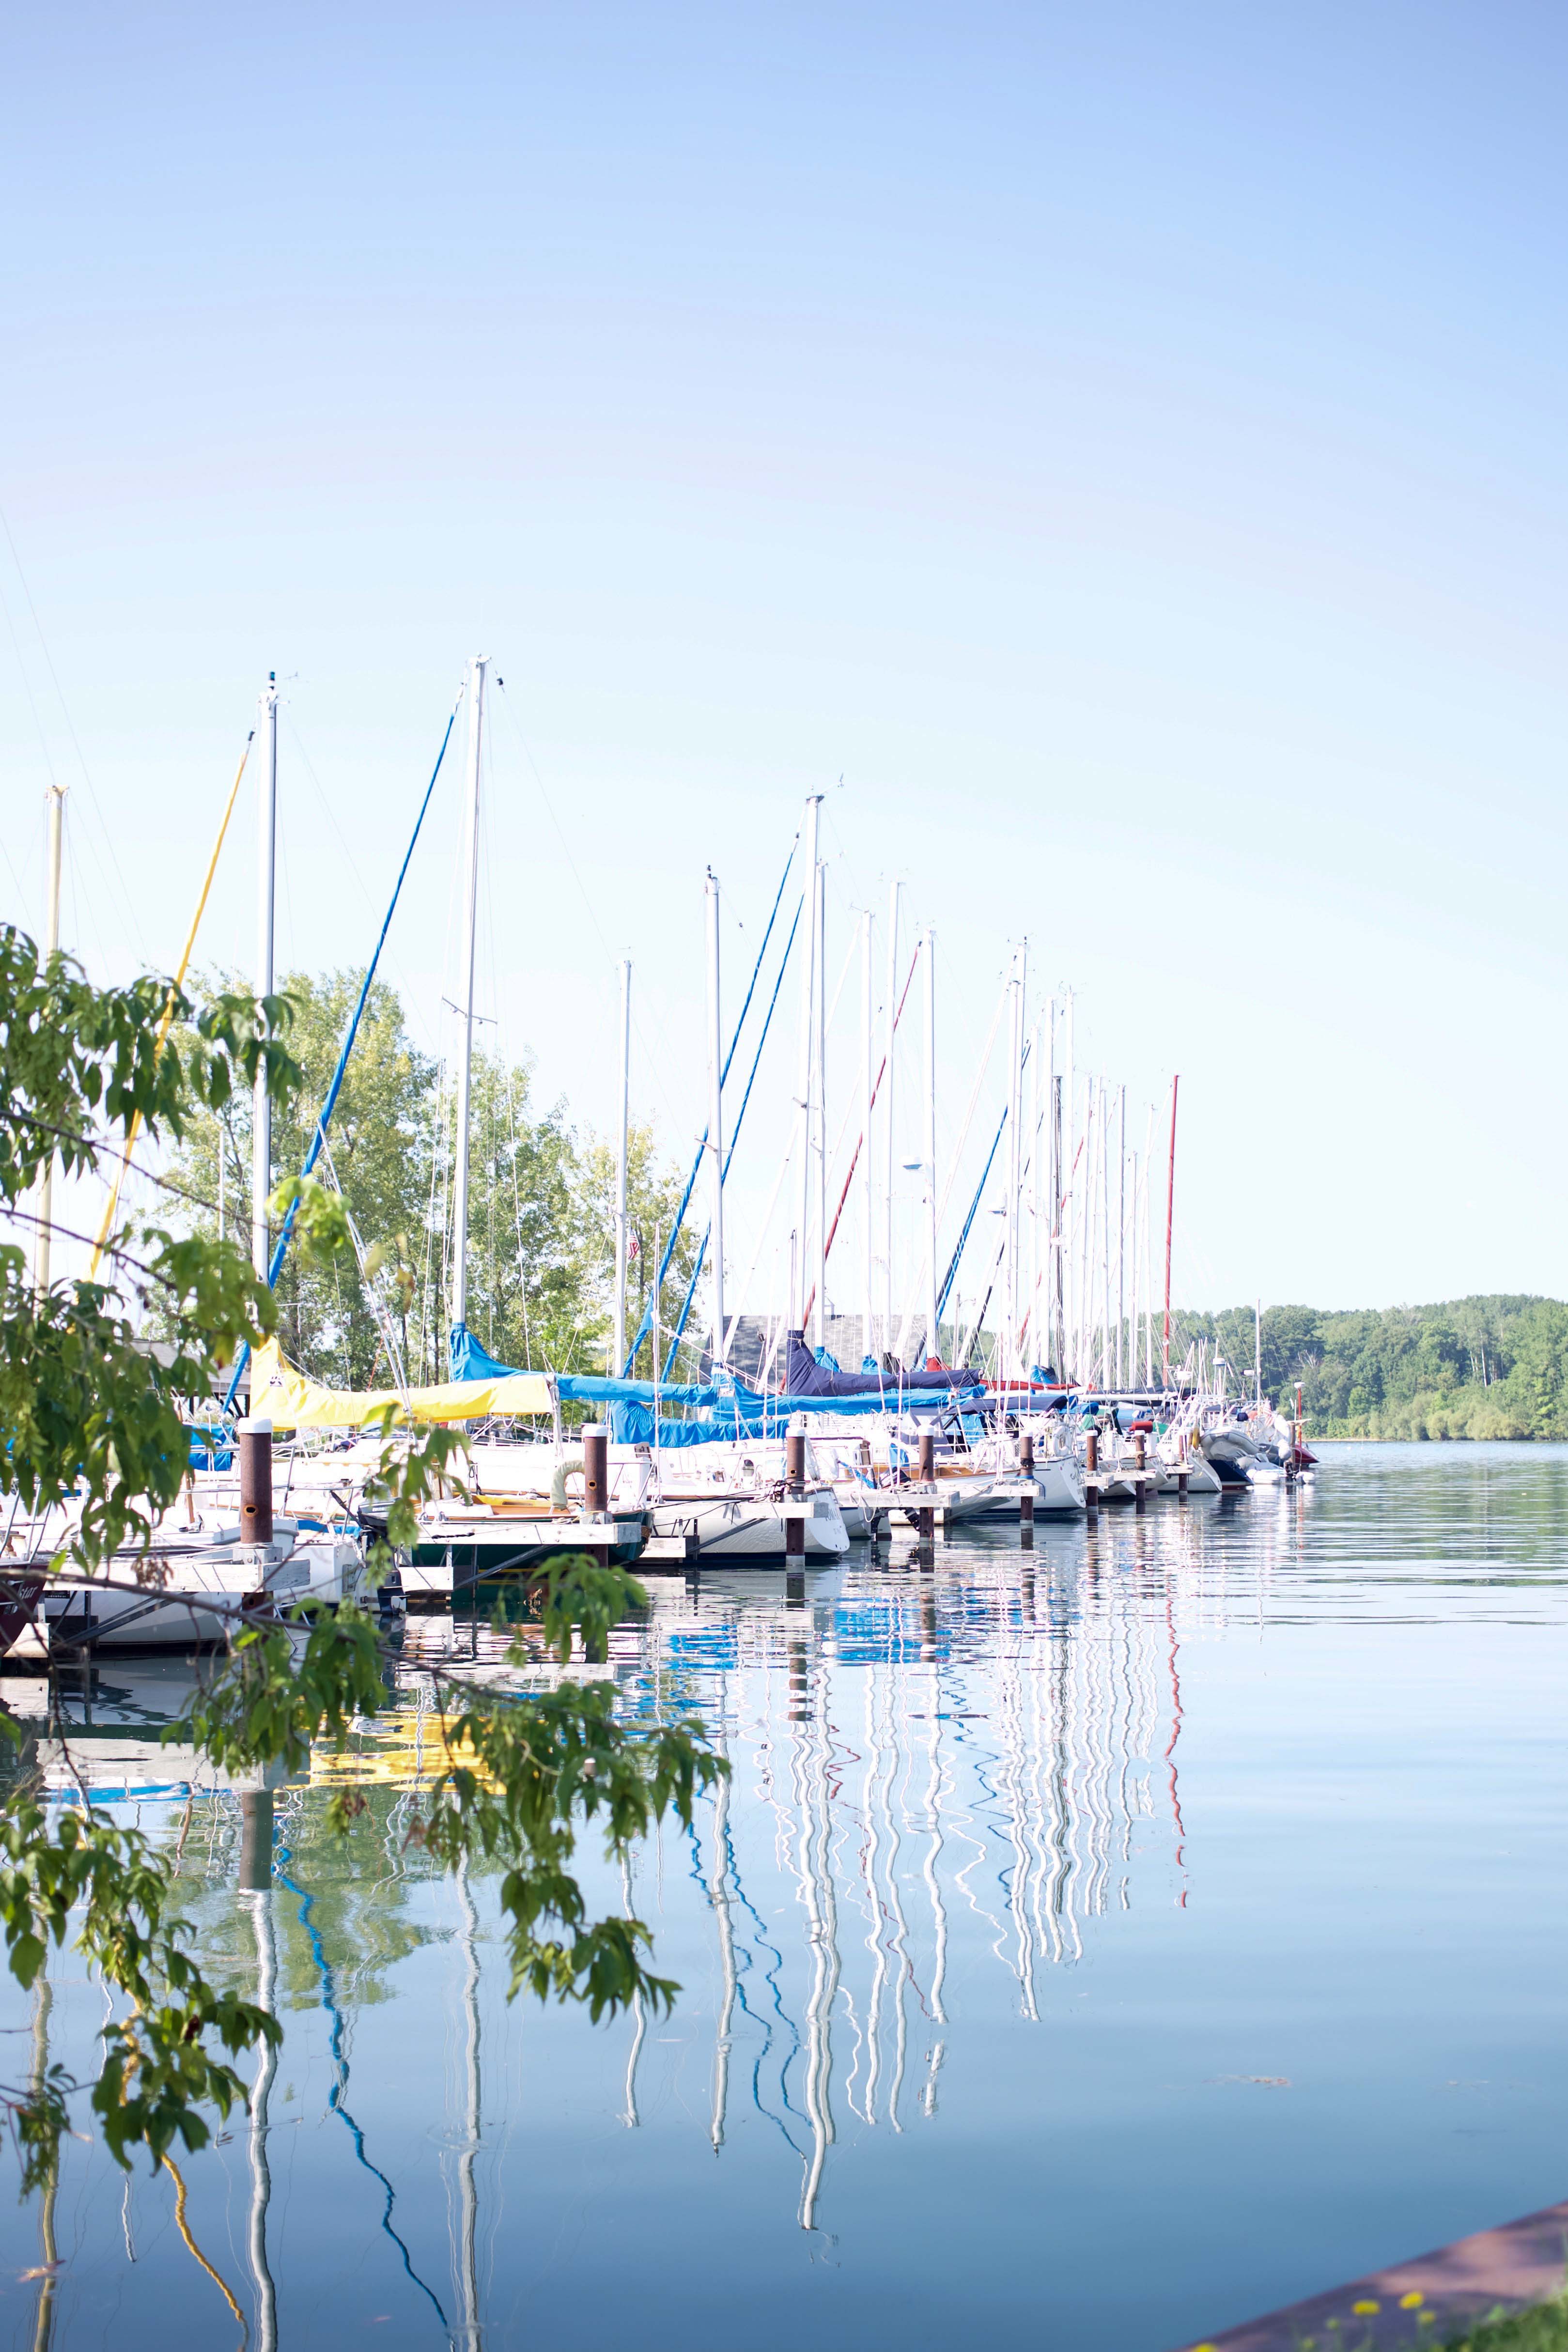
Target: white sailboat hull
x: 753, y: 1527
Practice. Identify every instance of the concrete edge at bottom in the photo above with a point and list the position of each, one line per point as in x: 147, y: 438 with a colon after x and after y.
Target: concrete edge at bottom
x: 1522, y: 2263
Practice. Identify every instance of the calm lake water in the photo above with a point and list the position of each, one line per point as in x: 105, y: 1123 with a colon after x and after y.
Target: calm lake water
x: 1097, y: 1945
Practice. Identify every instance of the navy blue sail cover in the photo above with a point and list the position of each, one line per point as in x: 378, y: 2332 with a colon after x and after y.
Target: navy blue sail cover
x: 805, y: 1377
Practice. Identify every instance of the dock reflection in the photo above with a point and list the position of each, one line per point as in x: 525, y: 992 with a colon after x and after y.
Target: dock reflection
x: 953, y: 1766
x: 985, y: 1753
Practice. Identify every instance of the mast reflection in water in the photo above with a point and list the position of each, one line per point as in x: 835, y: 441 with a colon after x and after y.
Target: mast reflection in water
x: 1062, y: 1901
x: 963, y: 1753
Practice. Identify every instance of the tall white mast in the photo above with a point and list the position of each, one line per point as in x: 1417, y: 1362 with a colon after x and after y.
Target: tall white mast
x: 619, y: 1366
x: 933, y: 1338
x: 716, y: 1118
x: 477, y: 669
x: 1070, y: 1221
x: 1121, y: 1240
x: 1147, y: 1236
x: 889, y: 1160
x: 1083, y: 1235
x: 1107, y: 1363
x: 266, y: 867
x: 55, y: 799
x: 820, y: 1109
x: 803, y: 1099
x: 1053, y: 1350
x: 868, y: 1010
x: 1137, y: 1279
x: 1007, y: 1352
x: 1036, y: 1352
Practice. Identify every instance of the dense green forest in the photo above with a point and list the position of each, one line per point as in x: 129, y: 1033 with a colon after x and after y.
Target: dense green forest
x: 1487, y: 1367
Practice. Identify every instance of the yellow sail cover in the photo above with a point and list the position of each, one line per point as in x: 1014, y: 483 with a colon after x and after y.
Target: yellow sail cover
x: 284, y: 1396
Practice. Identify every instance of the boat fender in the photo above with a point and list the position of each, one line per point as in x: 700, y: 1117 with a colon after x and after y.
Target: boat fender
x: 564, y: 1469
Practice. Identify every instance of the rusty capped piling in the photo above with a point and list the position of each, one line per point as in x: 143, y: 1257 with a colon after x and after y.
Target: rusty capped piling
x: 255, y: 1441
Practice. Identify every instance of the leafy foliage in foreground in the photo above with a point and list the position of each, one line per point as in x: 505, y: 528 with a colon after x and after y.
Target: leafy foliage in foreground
x: 158, y: 2070
x: 89, y: 1409
x: 1543, y: 2329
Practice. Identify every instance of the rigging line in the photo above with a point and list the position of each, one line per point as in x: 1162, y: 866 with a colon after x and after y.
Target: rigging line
x: 335, y: 2101
x: 727, y: 1863
x: 952, y: 1274
x: 134, y: 1129
x: 127, y: 899
x: 517, y: 1207
x: 974, y: 1098
x: 184, y: 2227
x: 319, y: 1135
x: 593, y: 911
x: 734, y: 1321
x: 860, y: 1141
x: 415, y: 999
x: 734, y: 1139
x: 646, y: 1323
x: 32, y: 705
x: 1002, y: 1247
x: 380, y: 1316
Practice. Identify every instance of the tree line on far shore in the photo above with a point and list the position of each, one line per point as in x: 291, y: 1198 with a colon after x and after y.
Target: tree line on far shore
x: 1483, y: 1367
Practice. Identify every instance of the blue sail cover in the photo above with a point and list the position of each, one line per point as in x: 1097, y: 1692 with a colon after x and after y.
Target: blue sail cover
x: 732, y: 1411
x: 805, y: 1377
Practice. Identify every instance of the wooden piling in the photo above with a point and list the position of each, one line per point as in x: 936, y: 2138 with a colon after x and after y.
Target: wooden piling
x: 795, y: 1488
x: 254, y: 1482
x: 925, y: 1519
x: 595, y: 1470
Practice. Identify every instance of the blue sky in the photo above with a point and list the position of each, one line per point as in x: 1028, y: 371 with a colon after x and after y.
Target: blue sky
x: 1126, y: 447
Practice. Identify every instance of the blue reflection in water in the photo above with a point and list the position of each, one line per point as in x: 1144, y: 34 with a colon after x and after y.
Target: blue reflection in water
x: 1212, y: 1864
x: 337, y: 2098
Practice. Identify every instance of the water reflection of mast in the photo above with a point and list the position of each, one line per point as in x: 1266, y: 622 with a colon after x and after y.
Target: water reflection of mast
x: 260, y: 1906
x: 719, y: 1894
x: 44, y: 2319
x: 770, y: 1956
x: 933, y: 1856
x: 1071, y: 1869
x: 822, y: 1911
x: 1171, y: 1751
x: 870, y: 1852
x: 1018, y: 1886
x: 337, y: 2100
x: 629, y: 2114
x: 900, y: 1938
x: 466, y: 2185
x: 1043, y: 1811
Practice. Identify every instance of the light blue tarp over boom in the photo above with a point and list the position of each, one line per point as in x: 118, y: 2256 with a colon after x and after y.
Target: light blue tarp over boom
x: 739, y: 1412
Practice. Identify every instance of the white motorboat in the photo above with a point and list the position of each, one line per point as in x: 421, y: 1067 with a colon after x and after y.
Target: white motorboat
x: 721, y: 1501
x: 186, y: 1592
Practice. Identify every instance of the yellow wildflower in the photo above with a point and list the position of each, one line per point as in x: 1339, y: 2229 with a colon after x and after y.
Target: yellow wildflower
x: 1413, y: 2301
x: 1364, y: 2308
